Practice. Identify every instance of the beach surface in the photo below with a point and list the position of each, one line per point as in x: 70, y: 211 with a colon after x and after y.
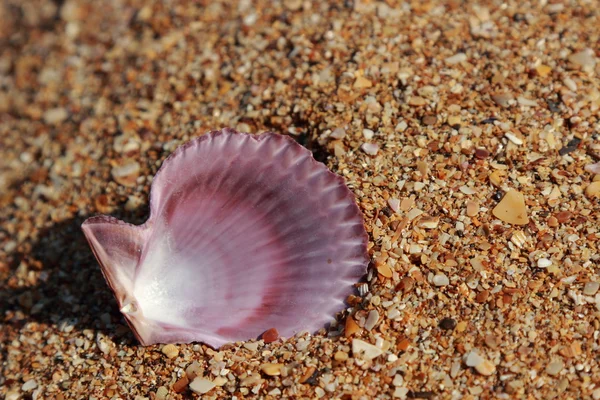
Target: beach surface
x: 468, y: 132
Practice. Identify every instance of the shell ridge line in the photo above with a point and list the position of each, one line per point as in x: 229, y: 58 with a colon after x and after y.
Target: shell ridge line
x: 216, y: 188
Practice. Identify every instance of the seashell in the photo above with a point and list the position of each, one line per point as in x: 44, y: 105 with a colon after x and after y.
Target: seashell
x: 245, y: 233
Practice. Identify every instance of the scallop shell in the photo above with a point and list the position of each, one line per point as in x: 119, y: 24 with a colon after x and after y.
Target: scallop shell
x: 246, y: 233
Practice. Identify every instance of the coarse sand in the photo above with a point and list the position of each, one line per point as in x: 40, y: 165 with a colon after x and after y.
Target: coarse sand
x: 468, y: 132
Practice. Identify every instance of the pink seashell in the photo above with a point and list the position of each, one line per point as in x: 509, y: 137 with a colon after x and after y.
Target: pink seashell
x: 245, y: 233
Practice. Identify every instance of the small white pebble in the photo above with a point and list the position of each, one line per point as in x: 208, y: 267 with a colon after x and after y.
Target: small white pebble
x: 362, y: 349
x: 473, y: 359
x: 554, y: 367
x: 201, y: 385
x: 401, y: 126
x: 570, y: 83
x: 513, y: 138
x: 368, y: 134
x: 29, y: 385
x: 372, y: 319
x: 370, y: 148
x: 544, y: 263
x: 441, y: 280
x: 584, y: 58
x: 55, y: 116
x: 398, y: 380
x: 394, y: 204
x: 252, y: 346
x: 338, y: 133
x: 526, y: 102
x: 455, y: 59
x: 591, y: 288
x: 393, y: 313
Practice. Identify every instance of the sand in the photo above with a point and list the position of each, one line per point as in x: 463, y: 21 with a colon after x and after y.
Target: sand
x: 431, y: 111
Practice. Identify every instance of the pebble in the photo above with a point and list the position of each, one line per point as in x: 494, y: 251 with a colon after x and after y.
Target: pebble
x: 584, y: 58
x: 133, y: 203
x: 563, y: 216
x: 417, y: 101
x: 441, y: 280
x: 351, y: 327
x: 593, y: 168
x: 55, y: 116
x: 252, y: 346
x: 401, y: 392
x: 511, y: 209
x: 429, y: 120
x: 429, y: 222
x: 29, y: 385
x: 398, y: 380
x: 401, y: 126
x: 161, y: 393
x: 543, y: 263
x: 372, y: 319
x: 455, y: 59
x: 127, y: 173
x: 220, y: 380
x: 194, y: 369
x: 447, y: 324
x: 271, y: 369
x: 362, y: 83
x: 13, y: 395
x: 555, y: 367
x: 340, y: 355
x: 526, y: 102
x: 454, y: 120
x: 519, y: 238
x: 502, y: 99
x: 406, y: 284
x: 170, y: 350
x: 394, y: 204
x: 481, y: 153
x: 370, y: 148
x: 368, y: 134
x: 270, y: 335
x: 365, y: 350
x: 201, y: 385
x: 543, y: 70
x: 472, y: 208
x: 570, y: 83
x: 338, y: 133
x: 384, y: 270
x: 593, y: 190
x: 591, y: 288
x: 513, y: 138
x: 481, y: 365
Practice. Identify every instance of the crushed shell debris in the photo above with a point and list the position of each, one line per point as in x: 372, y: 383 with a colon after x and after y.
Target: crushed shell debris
x: 466, y: 131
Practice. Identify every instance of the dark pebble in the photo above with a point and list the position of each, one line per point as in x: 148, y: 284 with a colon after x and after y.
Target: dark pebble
x: 570, y: 147
x: 448, y: 324
x: 481, y: 153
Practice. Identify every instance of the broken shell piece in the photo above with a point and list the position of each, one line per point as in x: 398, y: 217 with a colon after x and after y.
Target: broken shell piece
x: 511, y: 209
x: 367, y: 351
x: 245, y: 233
x: 370, y: 148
